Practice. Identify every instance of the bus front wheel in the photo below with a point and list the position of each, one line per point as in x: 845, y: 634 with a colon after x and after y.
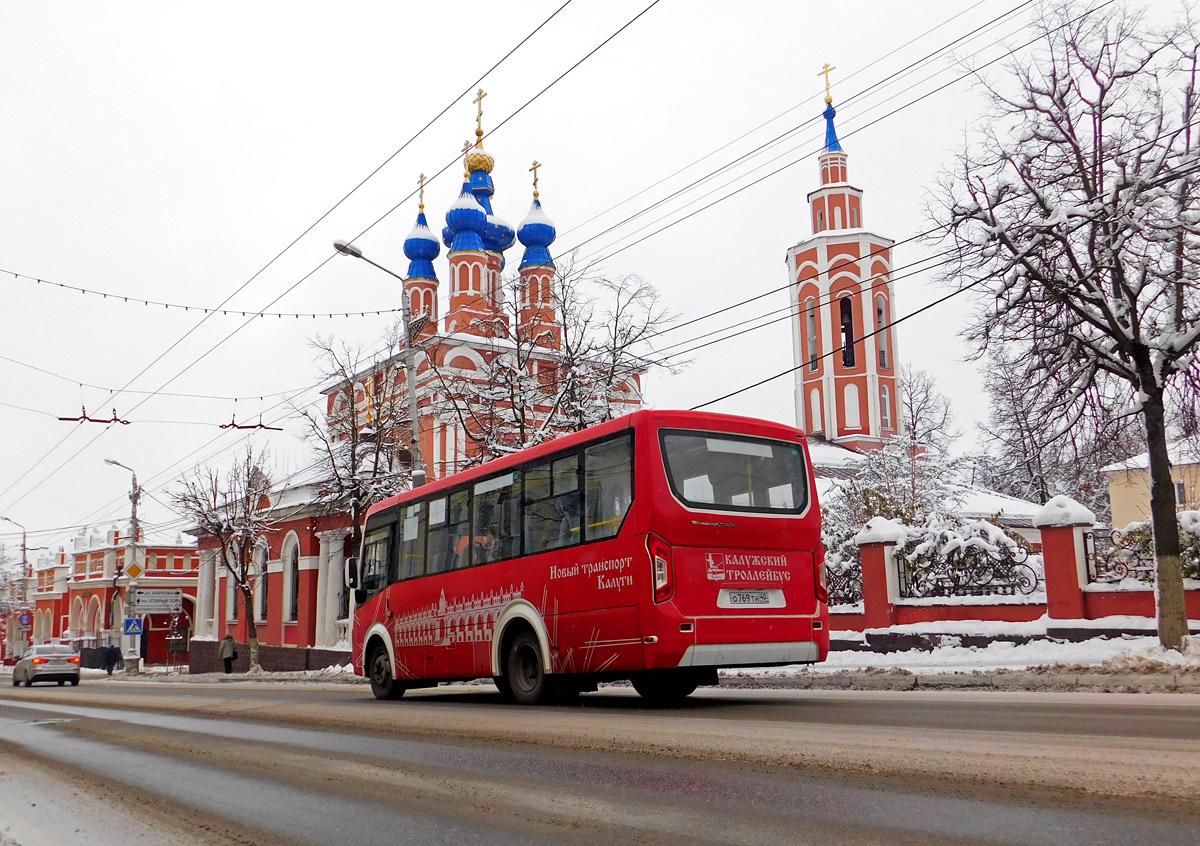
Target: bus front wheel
x: 383, y: 680
x: 526, y: 676
x: 666, y: 687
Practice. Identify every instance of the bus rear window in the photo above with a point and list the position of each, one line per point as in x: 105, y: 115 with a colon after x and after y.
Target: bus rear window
x: 723, y: 472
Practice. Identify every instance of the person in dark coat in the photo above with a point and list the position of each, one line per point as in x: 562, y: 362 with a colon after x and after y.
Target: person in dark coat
x: 228, y: 652
x: 111, y: 656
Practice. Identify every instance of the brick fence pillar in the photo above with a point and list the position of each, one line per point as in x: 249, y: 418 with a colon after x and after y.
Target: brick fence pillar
x: 876, y: 544
x: 1063, y: 522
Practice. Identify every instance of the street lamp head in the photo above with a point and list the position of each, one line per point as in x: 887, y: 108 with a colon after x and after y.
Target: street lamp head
x: 347, y: 249
x: 118, y: 464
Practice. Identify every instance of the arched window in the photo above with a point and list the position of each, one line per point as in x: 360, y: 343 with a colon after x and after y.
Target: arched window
x: 853, y: 218
x: 881, y: 335
x: 261, y: 583
x: 292, y: 564
x: 815, y: 423
x: 885, y: 406
x: 847, y: 322
x: 837, y: 217
x: 820, y: 221
x: 810, y: 307
x: 853, y: 412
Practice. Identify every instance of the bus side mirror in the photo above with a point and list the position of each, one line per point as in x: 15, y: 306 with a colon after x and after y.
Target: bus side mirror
x: 352, y: 572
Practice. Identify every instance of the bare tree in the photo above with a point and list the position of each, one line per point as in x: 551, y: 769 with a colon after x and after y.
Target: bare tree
x: 1030, y: 455
x: 538, y: 382
x: 230, y: 509
x: 1077, y: 208
x: 362, y: 441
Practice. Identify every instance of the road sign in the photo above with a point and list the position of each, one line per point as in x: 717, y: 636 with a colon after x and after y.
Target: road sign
x: 133, y: 627
x: 156, y: 600
x: 25, y: 619
x: 133, y: 571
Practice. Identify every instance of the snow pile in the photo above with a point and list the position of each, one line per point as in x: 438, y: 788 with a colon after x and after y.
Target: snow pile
x: 882, y: 530
x: 1062, y: 511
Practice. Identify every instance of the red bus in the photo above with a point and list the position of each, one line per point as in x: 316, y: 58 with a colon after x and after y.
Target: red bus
x: 657, y: 548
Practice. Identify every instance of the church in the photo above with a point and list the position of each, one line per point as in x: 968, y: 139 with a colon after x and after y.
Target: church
x: 847, y: 385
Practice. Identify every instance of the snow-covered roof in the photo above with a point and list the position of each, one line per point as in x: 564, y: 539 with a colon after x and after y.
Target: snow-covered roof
x: 1182, y: 451
x: 832, y: 460
x: 987, y: 505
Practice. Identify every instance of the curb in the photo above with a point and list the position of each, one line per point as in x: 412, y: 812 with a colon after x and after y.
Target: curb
x: 1099, y: 682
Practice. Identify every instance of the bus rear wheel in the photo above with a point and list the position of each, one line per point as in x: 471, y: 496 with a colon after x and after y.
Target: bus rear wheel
x: 383, y: 680
x: 526, y: 675
x: 666, y: 687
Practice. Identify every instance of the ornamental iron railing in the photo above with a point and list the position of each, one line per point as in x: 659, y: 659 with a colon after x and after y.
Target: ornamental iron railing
x: 845, y: 582
x: 966, y: 570
x: 1118, y: 555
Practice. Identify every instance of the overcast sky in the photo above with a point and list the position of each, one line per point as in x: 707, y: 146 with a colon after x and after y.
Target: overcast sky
x: 171, y: 151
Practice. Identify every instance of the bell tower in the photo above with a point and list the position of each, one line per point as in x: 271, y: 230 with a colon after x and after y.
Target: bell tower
x: 846, y: 387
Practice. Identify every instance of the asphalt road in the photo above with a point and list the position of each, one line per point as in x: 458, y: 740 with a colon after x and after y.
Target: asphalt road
x: 274, y: 763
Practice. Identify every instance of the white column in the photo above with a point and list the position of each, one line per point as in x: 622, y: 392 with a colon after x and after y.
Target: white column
x: 205, y: 607
x: 322, y: 588
x: 337, y: 558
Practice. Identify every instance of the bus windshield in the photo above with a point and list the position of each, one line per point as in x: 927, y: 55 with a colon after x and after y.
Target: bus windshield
x: 723, y: 472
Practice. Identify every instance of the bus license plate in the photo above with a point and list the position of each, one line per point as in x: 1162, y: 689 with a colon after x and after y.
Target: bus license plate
x: 749, y: 597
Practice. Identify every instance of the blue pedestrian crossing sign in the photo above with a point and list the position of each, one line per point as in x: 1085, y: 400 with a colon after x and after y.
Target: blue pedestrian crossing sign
x: 133, y: 627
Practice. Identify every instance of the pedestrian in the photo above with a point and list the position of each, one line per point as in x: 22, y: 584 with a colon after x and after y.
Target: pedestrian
x: 111, y: 656
x: 228, y: 652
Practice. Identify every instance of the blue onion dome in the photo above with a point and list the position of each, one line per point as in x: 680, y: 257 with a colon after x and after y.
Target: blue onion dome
x: 537, y: 233
x: 421, y: 247
x: 465, y: 221
x: 831, y: 139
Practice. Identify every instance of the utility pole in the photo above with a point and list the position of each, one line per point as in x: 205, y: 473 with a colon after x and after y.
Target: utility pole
x: 22, y: 591
x: 410, y: 364
x: 135, y: 493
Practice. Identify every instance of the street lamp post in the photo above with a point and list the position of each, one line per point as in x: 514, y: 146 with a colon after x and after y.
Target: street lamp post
x: 24, y: 580
x: 135, y: 494
x: 410, y: 366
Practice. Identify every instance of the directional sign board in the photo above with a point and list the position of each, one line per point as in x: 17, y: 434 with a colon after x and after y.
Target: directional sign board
x: 133, y: 627
x: 155, y: 600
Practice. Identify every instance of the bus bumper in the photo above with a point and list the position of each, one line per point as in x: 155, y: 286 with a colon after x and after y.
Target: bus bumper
x: 750, y: 654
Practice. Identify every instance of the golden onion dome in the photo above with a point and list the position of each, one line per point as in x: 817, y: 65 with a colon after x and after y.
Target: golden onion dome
x: 478, y: 158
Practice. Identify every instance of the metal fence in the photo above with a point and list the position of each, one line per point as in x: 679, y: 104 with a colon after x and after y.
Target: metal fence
x: 845, y: 582
x: 967, y: 570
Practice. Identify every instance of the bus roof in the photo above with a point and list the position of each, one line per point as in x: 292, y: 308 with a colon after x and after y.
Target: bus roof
x: 646, y: 417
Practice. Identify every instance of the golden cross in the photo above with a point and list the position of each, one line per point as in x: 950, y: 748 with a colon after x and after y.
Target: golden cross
x: 466, y: 150
x: 421, y: 182
x: 536, y: 165
x: 479, y: 114
x: 825, y: 73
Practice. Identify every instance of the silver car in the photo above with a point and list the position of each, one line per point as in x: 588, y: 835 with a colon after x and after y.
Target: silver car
x: 53, y: 662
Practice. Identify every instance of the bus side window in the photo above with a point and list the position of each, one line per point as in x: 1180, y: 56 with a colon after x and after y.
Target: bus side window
x: 552, y: 505
x: 459, y: 529
x: 412, y: 540
x: 608, y: 486
x: 496, y: 518
x: 438, y: 543
x: 375, y: 561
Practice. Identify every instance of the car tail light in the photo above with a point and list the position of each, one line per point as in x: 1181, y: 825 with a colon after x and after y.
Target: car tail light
x: 820, y: 578
x: 40, y: 660
x: 74, y: 660
x: 660, y: 560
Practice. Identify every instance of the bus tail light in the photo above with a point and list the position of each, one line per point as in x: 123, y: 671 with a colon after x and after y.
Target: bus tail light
x: 820, y: 578
x: 660, y: 558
